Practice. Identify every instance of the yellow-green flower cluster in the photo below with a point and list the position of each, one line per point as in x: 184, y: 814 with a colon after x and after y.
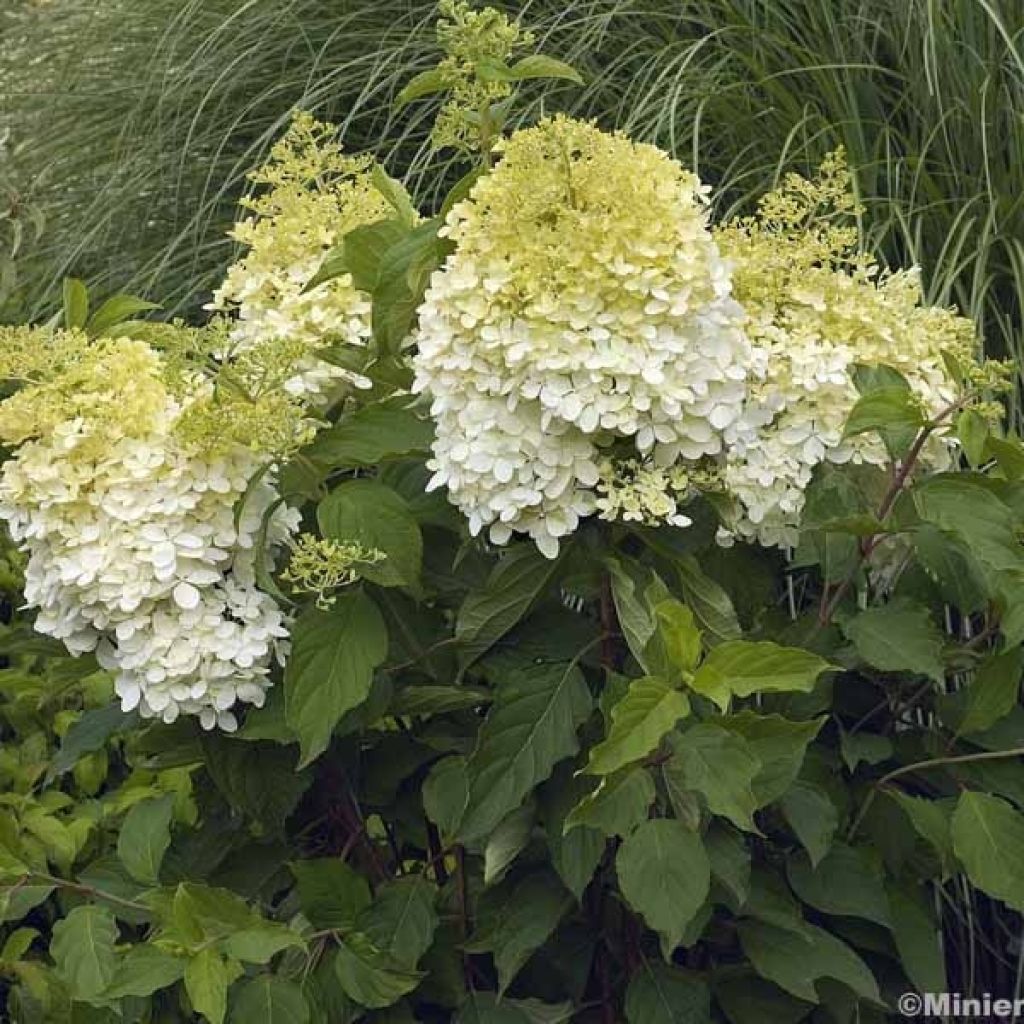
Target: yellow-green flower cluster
x: 125, y: 499
x: 638, y: 492
x: 323, y: 565
x: 585, y: 303
x: 471, y: 40
x: 310, y: 195
x: 817, y: 308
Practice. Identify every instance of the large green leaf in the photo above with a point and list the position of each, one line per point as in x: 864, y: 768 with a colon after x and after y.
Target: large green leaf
x: 143, y: 970
x: 973, y: 514
x: 893, y: 412
x: 531, y: 727
x: 778, y: 743
x: 334, y: 654
x: 993, y: 693
x: 721, y: 766
x: 401, y: 920
x: 507, y: 841
x: 144, y: 838
x: 988, y: 836
x: 618, y: 804
x: 514, y: 585
x: 665, y: 875
x: 83, y: 950
x: 378, y: 518
x: 331, y: 893
x: 710, y: 603
x: 916, y: 934
x: 640, y: 720
x: 795, y: 958
x: 748, y: 999
x: 370, y: 976
x: 446, y: 793
x: 208, y: 975
x: 847, y: 882
x: 90, y: 733
x: 269, y: 1000
x: 659, y: 994
x: 741, y: 668
x: 898, y: 637
x: 932, y: 820
x: 812, y: 816
x: 515, y: 918
x: 575, y: 851
x: 373, y: 434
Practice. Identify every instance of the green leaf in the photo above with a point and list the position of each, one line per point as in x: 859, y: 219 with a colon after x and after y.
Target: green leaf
x: 898, y: 637
x: 260, y: 944
x: 437, y: 700
x: 334, y: 654
x: 721, y: 766
x: 847, y: 882
x: 973, y: 514
x: 988, y: 836
x: 17, y: 944
x: 932, y: 820
x: 892, y: 412
x: 539, y: 66
x: 369, y: 975
x: 116, y: 310
x: 515, y: 918
x: 331, y: 894
x: 730, y: 863
x: 373, y: 434
x: 395, y: 193
x: 144, y: 838
x: 640, y: 720
x: 864, y: 747
x: 17, y: 900
x: 796, y: 958
x: 634, y: 616
x: 993, y: 693
x: 917, y: 938
x: 513, y: 587
x: 618, y: 804
x: 269, y: 1000
x: 778, y: 743
x: 491, y: 1008
x: 360, y: 253
x: 401, y: 921
x: 947, y: 560
x: 83, y: 950
x: 710, y: 604
x: 378, y: 518
x: 665, y: 875
x: 144, y: 970
x: 424, y: 84
x: 812, y: 816
x: 748, y: 999
x: 531, y: 727
x: 207, y: 978
x: 76, y: 303
x: 201, y: 913
x: 507, y: 841
x: 741, y: 668
x: 676, y: 639
x: 90, y: 733
x: 446, y: 793
x: 659, y: 994
x: 575, y: 852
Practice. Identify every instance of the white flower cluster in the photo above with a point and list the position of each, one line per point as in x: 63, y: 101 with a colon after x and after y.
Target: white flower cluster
x: 134, y: 550
x: 585, y: 305
x: 313, y: 196
x: 817, y: 311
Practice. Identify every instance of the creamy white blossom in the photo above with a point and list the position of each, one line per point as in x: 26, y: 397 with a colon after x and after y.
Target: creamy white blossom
x: 585, y: 304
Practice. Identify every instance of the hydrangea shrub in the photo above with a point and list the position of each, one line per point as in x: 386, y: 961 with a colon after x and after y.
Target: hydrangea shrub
x: 563, y: 605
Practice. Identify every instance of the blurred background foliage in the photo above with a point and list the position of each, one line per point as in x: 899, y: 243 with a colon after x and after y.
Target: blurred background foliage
x: 127, y: 128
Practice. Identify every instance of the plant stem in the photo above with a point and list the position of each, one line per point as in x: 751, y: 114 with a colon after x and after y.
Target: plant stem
x: 935, y: 762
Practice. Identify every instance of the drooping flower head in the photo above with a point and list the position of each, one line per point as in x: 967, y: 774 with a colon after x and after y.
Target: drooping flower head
x: 585, y: 307
x: 817, y: 308
x: 123, y: 490
x: 310, y: 195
